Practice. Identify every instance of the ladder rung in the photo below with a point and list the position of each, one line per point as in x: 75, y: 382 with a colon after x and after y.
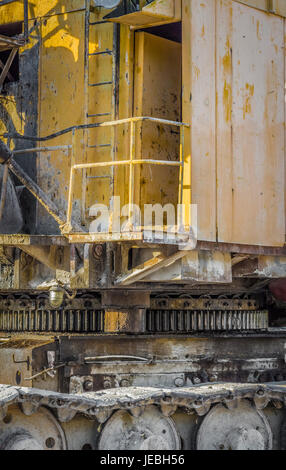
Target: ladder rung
x: 98, y: 22
x: 98, y: 115
x: 98, y: 146
x: 97, y: 177
x: 109, y: 51
x: 100, y: 84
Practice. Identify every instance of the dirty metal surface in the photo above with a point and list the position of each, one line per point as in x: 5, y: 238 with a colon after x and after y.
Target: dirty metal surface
x: 101, y: 404
x: 204, y: 320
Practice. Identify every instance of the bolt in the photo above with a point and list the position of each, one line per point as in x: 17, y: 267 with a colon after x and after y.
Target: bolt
x: 88, y: 385
x: 213, y: 378
x: 107, y: 383
x: 196, y: 380
x: 97, y: 251
x: 124, y: 383
x: 179, y: 382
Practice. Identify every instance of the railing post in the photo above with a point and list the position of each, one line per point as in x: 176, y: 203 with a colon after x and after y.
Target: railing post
x: 131, y: 169
x: 181, y: 176
x: 71, y: 182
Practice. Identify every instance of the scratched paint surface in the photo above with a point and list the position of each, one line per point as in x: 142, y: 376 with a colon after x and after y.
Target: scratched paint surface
x: 61, y: 94
x: 237, y: 116
x: 250, y: 131
x: 152, y: 68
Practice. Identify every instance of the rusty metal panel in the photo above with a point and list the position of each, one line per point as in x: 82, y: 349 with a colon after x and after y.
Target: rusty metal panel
x: 277, y: 7
x: 60, y: 105
x: 155, y: 13
x: 13, y: 12
x: 199, y: 110
x: 211, y: 266
x: 250, y: 125
x: 158, y: 60
x: 233, y: 96
x: 100, y: 98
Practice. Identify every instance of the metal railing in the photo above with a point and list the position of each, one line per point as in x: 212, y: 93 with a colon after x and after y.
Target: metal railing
x: 65, y: 220
x: 132, y: 159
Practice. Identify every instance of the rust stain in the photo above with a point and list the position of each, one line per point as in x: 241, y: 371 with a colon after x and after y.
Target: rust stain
x: 258, y: 34
x: 203, y: 31
x: 196, y: 71
x: 227, y: 59
x: 227, y: 101
x: 247, y: 102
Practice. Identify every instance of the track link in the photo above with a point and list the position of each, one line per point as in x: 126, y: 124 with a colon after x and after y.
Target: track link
x: 102, y: 404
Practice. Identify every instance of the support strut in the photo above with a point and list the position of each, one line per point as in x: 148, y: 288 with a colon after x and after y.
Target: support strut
x: 6, y: 157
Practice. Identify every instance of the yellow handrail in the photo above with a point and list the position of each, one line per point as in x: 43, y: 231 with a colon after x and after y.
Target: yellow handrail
x: 132, y: 161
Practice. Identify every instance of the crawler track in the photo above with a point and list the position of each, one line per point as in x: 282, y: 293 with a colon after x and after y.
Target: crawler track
x: 101, y: 404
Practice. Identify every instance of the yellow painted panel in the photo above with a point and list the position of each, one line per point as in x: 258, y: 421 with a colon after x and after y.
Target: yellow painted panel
x: 100, y: 108
x: 158, y: 62
x: 61, y: 101
x: 199, y: 110
x: 187, y: 104
x: 167, y: 8
x: 125, y: 110
x: 285, y: 126
x: 224, y: 120
x: 250, y: 132
x: 156, y: 13
x: 13, y: 12
x: 274, y: 6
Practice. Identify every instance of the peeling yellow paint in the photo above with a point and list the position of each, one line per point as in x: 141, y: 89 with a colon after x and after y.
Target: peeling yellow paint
x: 227, y: 101
x: 258, y: 33
x: 247, y: 102
x: 196, y: 71
x: 227, y: 59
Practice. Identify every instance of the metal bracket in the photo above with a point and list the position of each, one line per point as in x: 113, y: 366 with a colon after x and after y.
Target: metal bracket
x: 27, y: 361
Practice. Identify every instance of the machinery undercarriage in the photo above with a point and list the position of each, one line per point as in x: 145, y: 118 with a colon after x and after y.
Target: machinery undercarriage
x: 188, y: 372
